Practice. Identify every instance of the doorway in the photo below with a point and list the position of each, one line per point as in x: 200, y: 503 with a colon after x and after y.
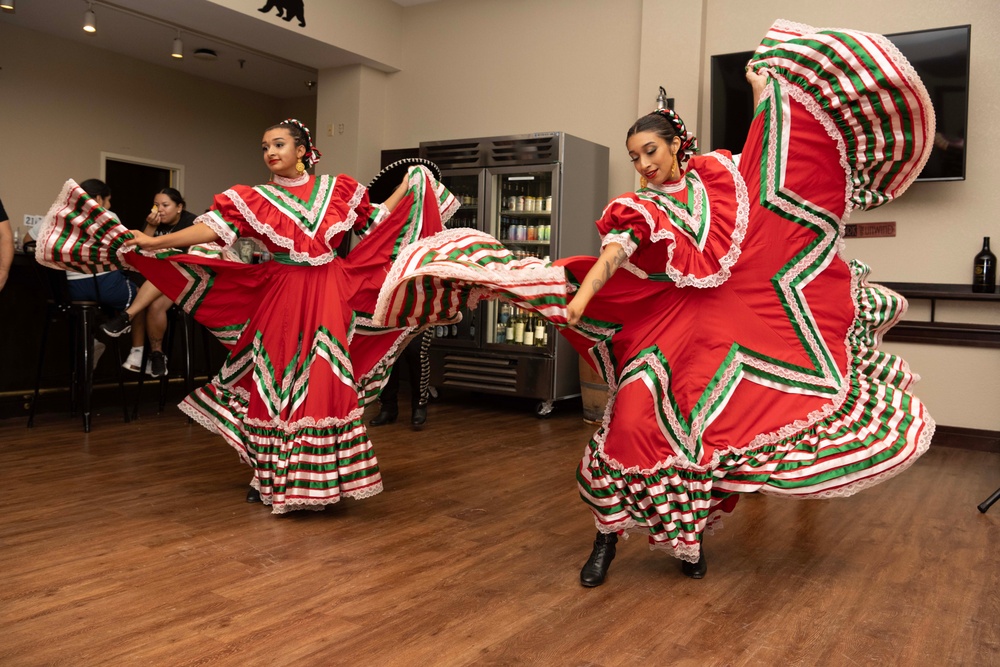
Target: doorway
x: 134, y: 182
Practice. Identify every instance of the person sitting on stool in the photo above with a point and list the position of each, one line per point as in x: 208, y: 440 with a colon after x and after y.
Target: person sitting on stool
x: 418, y: 360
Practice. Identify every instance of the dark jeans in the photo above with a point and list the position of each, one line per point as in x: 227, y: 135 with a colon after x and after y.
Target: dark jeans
x: 115, y: 289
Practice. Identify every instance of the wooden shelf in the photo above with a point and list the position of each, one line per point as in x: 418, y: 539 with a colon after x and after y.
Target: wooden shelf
x: 944, y: 333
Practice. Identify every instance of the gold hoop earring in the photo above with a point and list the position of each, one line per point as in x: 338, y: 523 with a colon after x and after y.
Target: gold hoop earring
x: 643, y: 182
x: 299, y: 167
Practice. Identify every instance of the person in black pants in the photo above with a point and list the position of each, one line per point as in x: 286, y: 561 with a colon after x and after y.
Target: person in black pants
x: 416, y: 355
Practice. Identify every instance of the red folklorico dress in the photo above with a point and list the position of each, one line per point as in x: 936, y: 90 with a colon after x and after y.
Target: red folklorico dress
x: 304, y: 355
x: 740, y: 347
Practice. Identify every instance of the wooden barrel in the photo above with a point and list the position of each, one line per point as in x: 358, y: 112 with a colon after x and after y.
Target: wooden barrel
x: 594, y: 392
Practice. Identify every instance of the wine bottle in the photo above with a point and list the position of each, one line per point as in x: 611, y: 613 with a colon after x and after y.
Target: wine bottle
x: 518, y: 328
x: 529, y: 330
x: 984, y: 271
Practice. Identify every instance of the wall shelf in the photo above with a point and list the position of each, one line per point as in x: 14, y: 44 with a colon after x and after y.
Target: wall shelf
x: 944, y: 333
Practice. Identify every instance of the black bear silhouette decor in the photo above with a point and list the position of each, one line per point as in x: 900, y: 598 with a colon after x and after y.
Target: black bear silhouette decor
x: 287, y: 10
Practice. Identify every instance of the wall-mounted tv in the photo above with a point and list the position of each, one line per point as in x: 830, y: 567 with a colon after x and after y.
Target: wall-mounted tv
x: 941, y: 58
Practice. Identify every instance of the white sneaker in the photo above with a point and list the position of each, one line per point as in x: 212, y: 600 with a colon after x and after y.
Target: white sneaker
x: 133, y: 362
x: 99, y: 348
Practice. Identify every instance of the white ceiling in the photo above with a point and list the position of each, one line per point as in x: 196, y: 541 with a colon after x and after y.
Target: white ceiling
x: 277, y: 61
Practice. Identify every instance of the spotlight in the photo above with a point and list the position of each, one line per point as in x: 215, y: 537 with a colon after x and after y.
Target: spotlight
x: 7, y: 5
x: 90, y: 21
x: 178, y: 51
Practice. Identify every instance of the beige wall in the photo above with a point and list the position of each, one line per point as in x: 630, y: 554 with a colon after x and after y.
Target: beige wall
x: 64, y: 103
x: 485, y: 68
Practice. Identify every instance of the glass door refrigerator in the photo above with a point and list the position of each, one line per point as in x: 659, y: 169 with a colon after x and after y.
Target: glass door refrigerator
x: 539, y: 194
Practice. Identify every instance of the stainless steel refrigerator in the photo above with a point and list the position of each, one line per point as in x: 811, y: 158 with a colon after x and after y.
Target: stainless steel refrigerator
x: 539, y: 194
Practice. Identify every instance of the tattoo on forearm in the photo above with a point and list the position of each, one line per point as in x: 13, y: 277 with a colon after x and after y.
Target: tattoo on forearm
x: 609, y: 268
x: 599, y: 282
x: 620, y: 257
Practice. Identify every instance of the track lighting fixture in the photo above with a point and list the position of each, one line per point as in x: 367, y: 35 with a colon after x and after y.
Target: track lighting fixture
x: 90, y: 20
x: 178, y: 51
x: 7, y: 5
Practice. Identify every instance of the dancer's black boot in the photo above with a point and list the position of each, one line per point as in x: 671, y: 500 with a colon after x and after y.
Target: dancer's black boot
x: 596, y: 567
x: 387, y: 415
x: 695, y: 570
x: 253, y: 495
x: 419, y: 417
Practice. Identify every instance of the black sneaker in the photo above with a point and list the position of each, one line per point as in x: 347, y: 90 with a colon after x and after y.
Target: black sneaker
x: 157, y: 364
x: 118, y: 325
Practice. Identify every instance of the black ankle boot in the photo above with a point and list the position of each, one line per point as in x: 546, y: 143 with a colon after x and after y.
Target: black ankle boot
x: 695, y: 570
x: 253, y: 495
x: 596, y: 567
x: 419, y: 417
x: 385, y: 416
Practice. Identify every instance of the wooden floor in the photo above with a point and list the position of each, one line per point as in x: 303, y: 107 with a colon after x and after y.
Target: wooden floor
x: 133, y: 546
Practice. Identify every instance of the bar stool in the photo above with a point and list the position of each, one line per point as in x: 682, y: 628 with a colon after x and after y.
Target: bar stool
x: 177, y: 320
x: 81, y: 317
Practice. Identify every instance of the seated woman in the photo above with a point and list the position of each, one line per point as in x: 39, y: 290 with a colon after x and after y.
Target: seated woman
x: 169, y: 214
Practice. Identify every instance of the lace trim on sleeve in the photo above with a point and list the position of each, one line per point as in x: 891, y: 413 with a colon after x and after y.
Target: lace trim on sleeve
x: 225, y: 231
x: 621, y: 237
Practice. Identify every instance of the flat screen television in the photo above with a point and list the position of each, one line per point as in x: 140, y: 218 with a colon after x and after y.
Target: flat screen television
x: 941, y: 58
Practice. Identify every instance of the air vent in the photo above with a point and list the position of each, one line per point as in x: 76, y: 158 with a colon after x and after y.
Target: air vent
x: 495, y: 375
x: 517, y: 150
x: 452, y: 155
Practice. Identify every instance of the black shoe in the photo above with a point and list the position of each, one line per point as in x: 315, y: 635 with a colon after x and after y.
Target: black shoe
x: 253, y: 495
x: 157, y: 364
x: 695, y: 570
x: 385, y: 416
x: 596, y: 567
x: 118, y: 325
x: 419, y: 417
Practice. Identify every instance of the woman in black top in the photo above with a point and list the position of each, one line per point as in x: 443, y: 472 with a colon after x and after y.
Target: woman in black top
x: 169, y: 214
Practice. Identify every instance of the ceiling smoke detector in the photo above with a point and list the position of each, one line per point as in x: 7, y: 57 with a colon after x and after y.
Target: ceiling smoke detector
x: 205, y: 54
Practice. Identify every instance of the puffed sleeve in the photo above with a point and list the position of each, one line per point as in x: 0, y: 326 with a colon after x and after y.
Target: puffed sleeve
x: 624, y: 222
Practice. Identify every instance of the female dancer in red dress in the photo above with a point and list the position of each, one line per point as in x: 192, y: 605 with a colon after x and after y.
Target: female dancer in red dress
x: 304, y: 355
x: 739, y: 346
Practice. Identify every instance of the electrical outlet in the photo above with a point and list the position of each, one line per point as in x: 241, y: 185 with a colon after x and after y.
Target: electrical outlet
x: 340, y: 128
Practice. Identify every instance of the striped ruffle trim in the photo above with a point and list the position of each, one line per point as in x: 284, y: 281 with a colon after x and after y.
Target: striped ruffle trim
x: 872, y: 94
x: 434, y: 277
x: 303, y: 465
x: 79, y: 235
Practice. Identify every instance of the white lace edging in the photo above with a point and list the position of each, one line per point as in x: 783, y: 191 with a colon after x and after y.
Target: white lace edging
x: 221, y: 229
x: 319, y: 504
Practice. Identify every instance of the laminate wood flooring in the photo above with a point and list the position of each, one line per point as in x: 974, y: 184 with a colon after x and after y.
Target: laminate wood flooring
x: 132, y: 545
